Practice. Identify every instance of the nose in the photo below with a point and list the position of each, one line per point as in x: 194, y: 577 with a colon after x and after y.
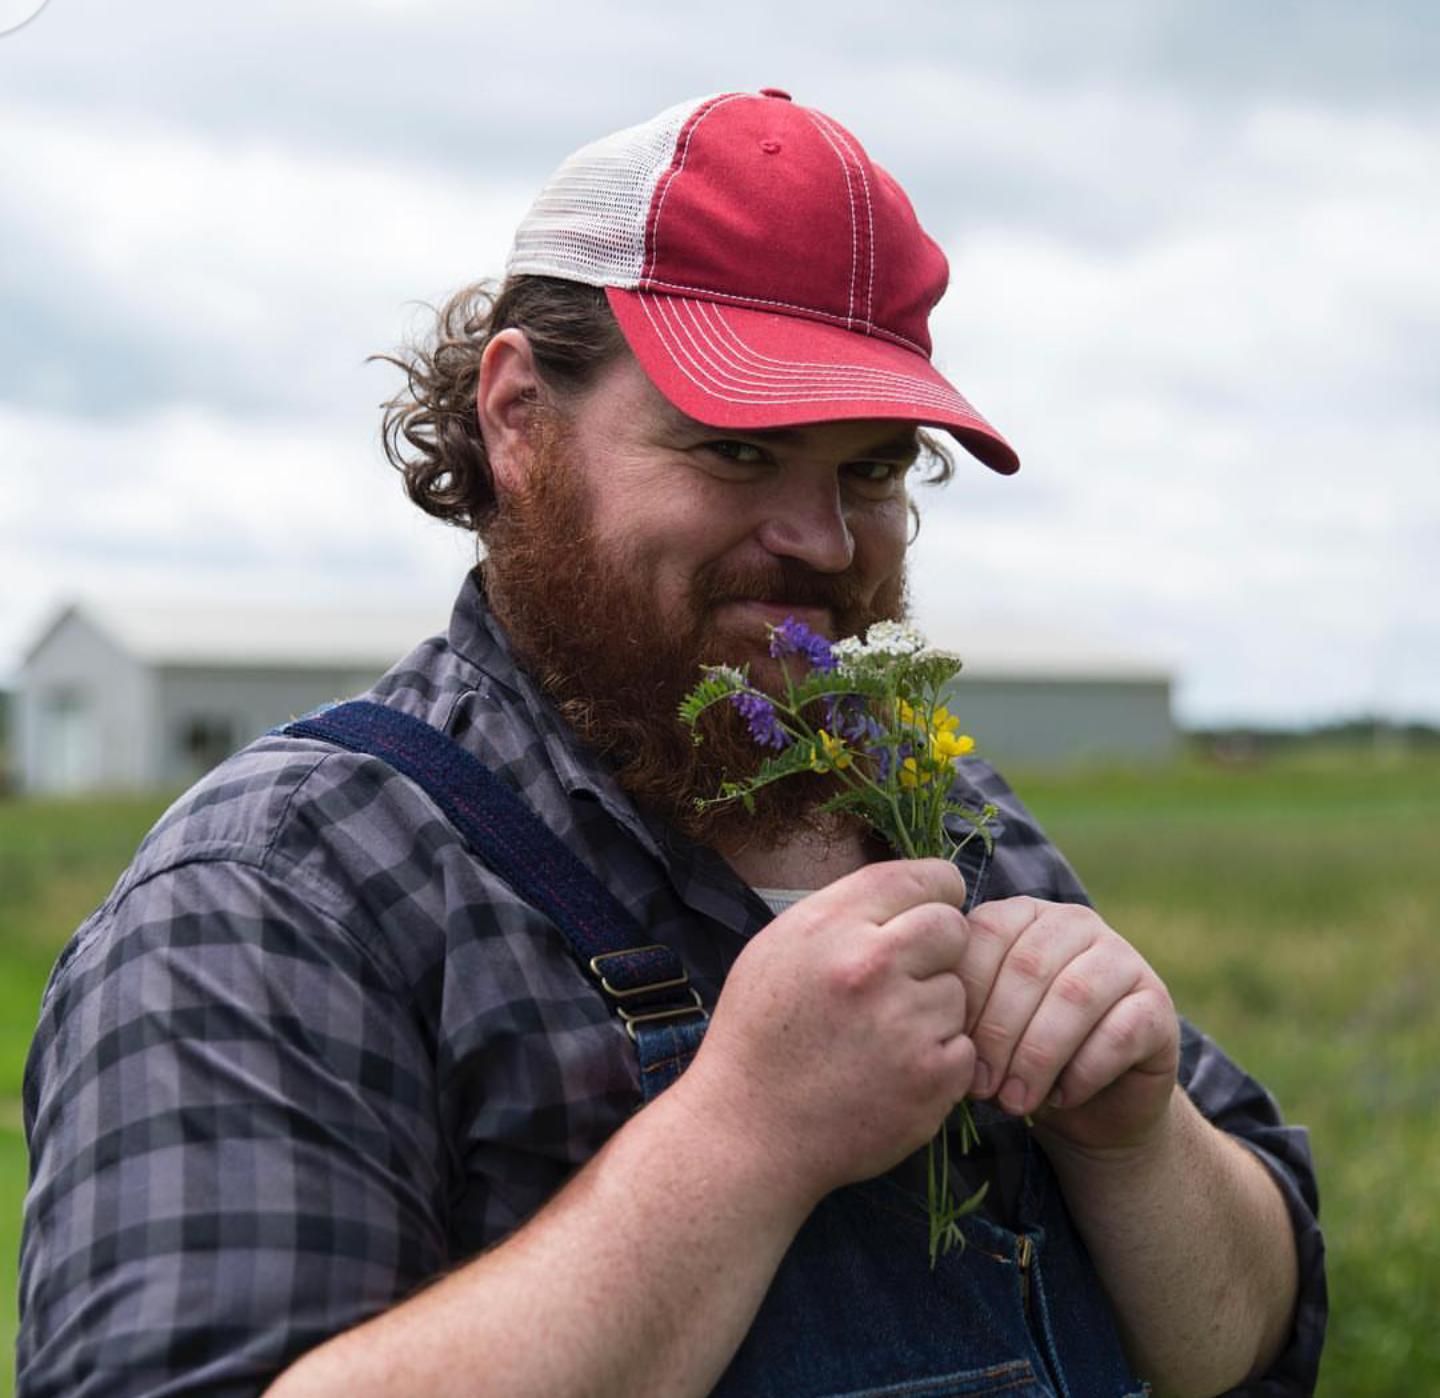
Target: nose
x: 807, y: 522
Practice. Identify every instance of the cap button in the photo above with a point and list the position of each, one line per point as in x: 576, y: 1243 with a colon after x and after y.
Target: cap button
x: 775, y: 92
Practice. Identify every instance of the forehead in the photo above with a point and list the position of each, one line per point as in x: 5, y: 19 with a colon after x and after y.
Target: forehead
x: 623, y: 392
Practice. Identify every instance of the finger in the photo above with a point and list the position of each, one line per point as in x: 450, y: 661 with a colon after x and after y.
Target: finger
x: 993, y: 928
x: 879, y: 892
x: 935, y: 1009
x: 954, y: 1074
x: 1077, y: 999
x: 1138, y: 1033
x: 1038, y: 954
x: 928, y: 940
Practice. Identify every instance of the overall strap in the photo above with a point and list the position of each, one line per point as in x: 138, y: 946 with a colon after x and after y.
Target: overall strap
x: 644, y: 981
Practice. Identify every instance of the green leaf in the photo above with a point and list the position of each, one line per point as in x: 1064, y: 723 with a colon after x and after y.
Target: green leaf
x: 719, y: 683
x: 978, y: 821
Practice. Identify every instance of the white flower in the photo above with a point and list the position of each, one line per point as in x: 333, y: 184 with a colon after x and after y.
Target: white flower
x: 943, y: 656
x: 893, y: 638
x: 885, y: 640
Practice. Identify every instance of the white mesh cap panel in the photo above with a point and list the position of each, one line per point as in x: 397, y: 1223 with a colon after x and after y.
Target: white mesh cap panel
x: 588, y: 223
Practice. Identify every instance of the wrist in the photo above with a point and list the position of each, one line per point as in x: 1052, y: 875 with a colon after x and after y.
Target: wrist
x: 1154, y: 1147
x: 736, y: 1154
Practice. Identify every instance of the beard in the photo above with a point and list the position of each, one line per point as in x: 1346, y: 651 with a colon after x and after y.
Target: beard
x: 584, y: 620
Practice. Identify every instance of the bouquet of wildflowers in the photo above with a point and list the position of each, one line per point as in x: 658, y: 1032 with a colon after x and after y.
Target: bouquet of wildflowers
x: 868, y: 713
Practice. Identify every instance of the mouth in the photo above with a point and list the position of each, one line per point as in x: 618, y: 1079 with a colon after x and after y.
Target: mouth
x: 754, y: 615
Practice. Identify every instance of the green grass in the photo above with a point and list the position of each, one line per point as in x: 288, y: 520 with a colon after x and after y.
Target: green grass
x: 1293, y: 908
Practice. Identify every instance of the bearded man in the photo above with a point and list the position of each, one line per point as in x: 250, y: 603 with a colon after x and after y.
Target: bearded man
x: 437, y: 1045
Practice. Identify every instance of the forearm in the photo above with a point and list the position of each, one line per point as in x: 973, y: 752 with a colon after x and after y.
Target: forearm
x: 1194, y: 1246
x: 641, y: 1277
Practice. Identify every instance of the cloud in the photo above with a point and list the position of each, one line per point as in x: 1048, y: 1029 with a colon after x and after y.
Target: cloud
x: 241, y: 274
x: 185, y: 503
x: 1231, y: 422
x: 1193, y: 281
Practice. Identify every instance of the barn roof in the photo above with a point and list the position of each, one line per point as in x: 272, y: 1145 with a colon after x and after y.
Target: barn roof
x: 369, y: 638
x: 1031, y: 650
x: 256, y: 637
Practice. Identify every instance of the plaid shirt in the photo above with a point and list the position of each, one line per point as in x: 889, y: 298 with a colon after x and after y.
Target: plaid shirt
x: 311, y: 1052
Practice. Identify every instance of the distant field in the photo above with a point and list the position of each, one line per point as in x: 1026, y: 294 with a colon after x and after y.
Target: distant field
x: 1293, y: 908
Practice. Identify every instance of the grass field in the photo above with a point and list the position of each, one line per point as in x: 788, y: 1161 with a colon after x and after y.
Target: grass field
x: 1293, y: 908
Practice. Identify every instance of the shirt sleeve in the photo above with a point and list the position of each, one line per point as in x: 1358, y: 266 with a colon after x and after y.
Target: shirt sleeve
x: 230, y: 1109
x: 1232, y: 1100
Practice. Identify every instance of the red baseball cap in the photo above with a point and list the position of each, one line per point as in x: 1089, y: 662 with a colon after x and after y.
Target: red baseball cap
x: 764, y: 271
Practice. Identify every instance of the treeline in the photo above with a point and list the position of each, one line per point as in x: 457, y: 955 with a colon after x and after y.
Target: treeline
x: 1379, y: 734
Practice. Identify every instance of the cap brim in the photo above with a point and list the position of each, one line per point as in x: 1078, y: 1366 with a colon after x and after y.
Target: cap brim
x: 732, y: 366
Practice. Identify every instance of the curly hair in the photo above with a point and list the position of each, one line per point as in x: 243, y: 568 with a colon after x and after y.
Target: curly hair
x: 430, y: 430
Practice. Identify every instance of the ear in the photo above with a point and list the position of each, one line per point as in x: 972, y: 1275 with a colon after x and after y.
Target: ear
x: 506, y: 398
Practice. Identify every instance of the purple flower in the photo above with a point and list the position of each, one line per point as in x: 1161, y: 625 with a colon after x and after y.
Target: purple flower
x: 759, y: 715
x: 793, y: 637
x: 847, y: 717
x: 885, y: 758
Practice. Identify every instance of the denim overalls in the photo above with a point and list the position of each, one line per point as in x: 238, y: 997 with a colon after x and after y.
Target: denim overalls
x: 854, y: 1310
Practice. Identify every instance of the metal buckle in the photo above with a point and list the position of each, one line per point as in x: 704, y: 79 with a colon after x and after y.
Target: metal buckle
x: 631, y: 1020
x: 682, y: 979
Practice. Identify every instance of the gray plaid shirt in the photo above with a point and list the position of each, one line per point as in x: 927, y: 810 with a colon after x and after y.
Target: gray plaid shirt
x: 310, y: 1052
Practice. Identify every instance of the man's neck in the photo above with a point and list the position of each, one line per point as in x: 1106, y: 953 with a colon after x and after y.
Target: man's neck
x: 809, y: 860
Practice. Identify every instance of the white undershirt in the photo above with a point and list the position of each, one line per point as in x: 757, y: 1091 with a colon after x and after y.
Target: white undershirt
x: 778, y: 899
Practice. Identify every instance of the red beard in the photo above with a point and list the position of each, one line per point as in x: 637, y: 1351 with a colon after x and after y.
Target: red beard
x: 587, y: 626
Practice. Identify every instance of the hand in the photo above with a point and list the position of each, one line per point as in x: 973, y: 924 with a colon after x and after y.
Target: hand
x: 837, y: 1047
x: 1070, y: 1024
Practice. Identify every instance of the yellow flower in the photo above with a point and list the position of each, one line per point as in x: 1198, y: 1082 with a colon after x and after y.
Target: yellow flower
x: 946, y: 745
x: 913, y: 775
x: 832, y: 753
x: 944, y: 721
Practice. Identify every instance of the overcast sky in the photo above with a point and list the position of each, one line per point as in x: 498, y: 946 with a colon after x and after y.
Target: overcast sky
x: 1194, y: 281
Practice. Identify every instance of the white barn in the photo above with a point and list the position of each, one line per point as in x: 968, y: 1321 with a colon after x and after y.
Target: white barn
x: 1032, y: 696
x: 114, y: 696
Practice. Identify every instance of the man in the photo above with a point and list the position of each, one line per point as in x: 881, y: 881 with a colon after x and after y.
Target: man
x: 334, y: 1094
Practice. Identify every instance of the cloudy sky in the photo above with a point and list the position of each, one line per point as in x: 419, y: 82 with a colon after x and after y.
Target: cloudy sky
x: 1194, y: 280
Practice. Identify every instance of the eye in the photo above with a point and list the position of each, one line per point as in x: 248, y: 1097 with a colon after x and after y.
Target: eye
x: 731, y: 459
x: 741, y: 453
x: 877, y: 478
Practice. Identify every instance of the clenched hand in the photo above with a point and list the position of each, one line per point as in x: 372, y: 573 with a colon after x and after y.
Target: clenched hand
x: 838, y: 1045
x: 1069, y: 1022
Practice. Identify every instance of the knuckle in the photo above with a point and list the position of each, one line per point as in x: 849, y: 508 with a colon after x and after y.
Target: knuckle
x: 1075, y: 987
x: 1129, y: 1026
x: 854, y: 975
x: 1123, y: 1032
x: 990, y: 1036
x: 1006, y: 919
x: 1035, y: 1061
x: 943, y: 919
x: 1029, y: 964
x: 986, y: 932
x: 1080, y: 1083
x: 912, y: 875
